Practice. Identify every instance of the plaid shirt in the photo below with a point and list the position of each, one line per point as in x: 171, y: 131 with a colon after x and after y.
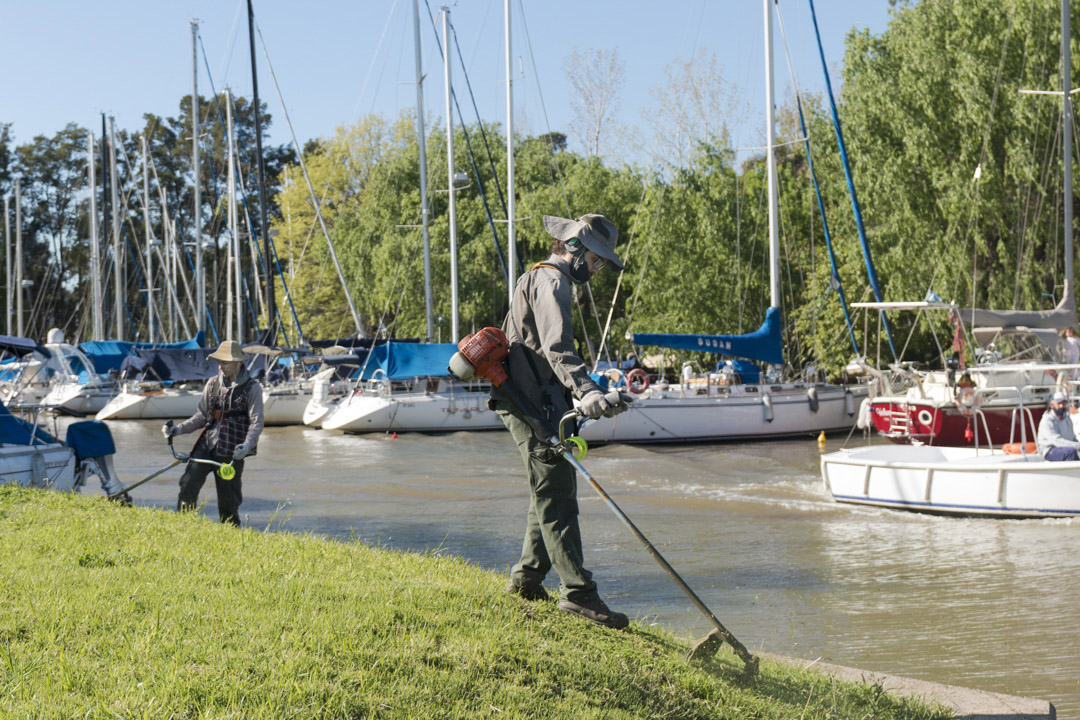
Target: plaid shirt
x: 232, y: 413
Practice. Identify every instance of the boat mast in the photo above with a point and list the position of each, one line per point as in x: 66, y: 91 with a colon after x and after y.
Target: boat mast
x: 1066, y: 109
x: 151, y: 333
x: 770, y: 134
x: 7, y: 261
x: 118, y: 257
x: 450, y: 174
x: 511, y: 251
x: 232, y: 274
x: 18, y: 260
x: 264, y: 223
x: 95, y: 251
x: 200, y: 281
x: 421, y: 142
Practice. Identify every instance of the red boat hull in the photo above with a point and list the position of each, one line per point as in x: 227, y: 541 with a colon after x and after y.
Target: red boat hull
x: 946, y: 426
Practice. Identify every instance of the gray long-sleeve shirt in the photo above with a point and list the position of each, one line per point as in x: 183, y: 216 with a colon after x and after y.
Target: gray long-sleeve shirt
x: 1056, y: 432
x: 540, y: 320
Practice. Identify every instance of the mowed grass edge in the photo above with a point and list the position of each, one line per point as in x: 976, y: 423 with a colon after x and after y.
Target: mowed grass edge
x: 113, y: 612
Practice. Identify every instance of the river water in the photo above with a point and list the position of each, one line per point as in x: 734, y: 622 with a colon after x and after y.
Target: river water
x: 989, y: 604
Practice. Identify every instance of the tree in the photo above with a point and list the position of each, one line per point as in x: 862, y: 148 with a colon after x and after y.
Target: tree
x: 596, y: 77
x: 697, y: 106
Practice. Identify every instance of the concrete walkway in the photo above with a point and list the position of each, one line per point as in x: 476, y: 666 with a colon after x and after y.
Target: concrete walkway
x: 965, y: 703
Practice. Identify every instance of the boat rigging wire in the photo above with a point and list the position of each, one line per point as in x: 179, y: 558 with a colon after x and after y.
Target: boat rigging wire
x: 618, y: 281
x: 835, y: 275
x: 311, y: 189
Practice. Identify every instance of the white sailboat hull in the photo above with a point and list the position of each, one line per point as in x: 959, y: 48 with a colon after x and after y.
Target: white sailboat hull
x: 79, y: 399
x: 414, y: 412
x: 286, y: 405
x: 674, y: 416
x: 960, y: 481
x: 151, y: 405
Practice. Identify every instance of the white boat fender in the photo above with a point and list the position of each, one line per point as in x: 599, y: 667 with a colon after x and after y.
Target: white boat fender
x: 849, y: 403
x: 863, y: 421
x: 766, y: 403
x: 812, y: 398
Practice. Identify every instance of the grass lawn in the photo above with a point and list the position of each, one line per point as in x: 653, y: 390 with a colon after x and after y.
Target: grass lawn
x: 114, y: 612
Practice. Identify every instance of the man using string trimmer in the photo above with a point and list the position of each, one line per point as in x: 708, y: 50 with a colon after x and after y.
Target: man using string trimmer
x: 231, y: 415
x: 545, y: 367
x: 535, y: 406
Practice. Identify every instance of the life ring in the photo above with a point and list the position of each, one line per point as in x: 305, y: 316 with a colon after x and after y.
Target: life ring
x: 637, y: 381
x: 968, y: 401
x: 926, y: 418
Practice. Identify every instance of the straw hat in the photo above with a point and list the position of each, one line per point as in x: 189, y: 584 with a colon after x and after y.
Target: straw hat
x: 228, y: 351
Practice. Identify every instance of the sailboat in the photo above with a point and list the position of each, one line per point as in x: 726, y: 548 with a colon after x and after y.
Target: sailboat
x: 406, y: 387
x: 1004, y: 394
x: 736, y: 400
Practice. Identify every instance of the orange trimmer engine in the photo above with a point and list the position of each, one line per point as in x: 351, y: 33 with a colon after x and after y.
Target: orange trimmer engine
x: 481, y: 355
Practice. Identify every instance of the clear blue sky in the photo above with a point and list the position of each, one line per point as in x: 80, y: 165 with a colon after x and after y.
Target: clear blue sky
x: 70, y: 60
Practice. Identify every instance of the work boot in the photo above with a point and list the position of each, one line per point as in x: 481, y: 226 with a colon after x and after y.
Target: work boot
x: 528, y: 592
x: 594, y: 609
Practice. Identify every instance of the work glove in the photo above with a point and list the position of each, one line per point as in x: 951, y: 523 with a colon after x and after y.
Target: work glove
x: 241, y: 451
x: 168, y: 430
x: 618, y: 402
x: 594, y: 404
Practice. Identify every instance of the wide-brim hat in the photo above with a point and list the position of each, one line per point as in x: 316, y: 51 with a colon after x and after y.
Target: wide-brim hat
x: 595, y: 232
x: 228, y: 351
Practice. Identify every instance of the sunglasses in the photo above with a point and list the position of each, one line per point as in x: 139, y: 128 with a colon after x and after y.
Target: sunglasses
x: 599, y: 263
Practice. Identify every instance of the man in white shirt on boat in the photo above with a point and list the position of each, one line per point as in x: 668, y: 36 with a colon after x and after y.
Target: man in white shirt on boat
x: 1057, y: 439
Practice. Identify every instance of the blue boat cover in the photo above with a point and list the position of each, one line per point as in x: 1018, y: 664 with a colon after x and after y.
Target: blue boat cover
x: 19, y: 346
x: 16, y: 431
x: 173, y: 364
x: 109, y: 355
x: 764, y: 345
x: 90, y: 438
x: 404, y: 360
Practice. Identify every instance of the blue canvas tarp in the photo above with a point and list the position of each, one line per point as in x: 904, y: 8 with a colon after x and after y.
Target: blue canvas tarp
x: 172, y: 365
x: 763, y: 345
x: 16, y: 431
x: 108, y: 355
x: 19, y: 346
x: 404, y: 360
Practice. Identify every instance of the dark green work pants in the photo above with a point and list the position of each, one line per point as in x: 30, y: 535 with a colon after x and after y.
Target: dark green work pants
x: 229, y: 495
x: 552, y: 536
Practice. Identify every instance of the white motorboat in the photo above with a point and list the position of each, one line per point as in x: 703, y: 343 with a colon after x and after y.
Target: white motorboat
x: 954, y: 481
x: 428, y: 404
x: 74, y: 387
x: 32, y: 457
x: 717, y: 407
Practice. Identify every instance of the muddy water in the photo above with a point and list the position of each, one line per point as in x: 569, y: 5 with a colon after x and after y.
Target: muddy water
x: 991, y: 604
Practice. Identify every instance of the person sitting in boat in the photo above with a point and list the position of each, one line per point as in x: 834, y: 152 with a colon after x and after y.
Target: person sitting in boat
x: 230, y: 412
x: 1057, y: 439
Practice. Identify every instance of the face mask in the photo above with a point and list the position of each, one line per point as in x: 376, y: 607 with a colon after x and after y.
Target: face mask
x: 1060, y: 412
x: 579, y: 270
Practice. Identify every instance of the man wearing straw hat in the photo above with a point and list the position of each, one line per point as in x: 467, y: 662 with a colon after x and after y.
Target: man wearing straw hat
x: 546, y: 368
x: 230, y: 413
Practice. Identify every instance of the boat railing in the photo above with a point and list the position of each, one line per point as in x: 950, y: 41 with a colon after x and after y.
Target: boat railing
x: 1020, y: 412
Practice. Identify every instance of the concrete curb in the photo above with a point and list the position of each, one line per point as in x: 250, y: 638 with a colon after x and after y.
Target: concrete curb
x: 966, y: 703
